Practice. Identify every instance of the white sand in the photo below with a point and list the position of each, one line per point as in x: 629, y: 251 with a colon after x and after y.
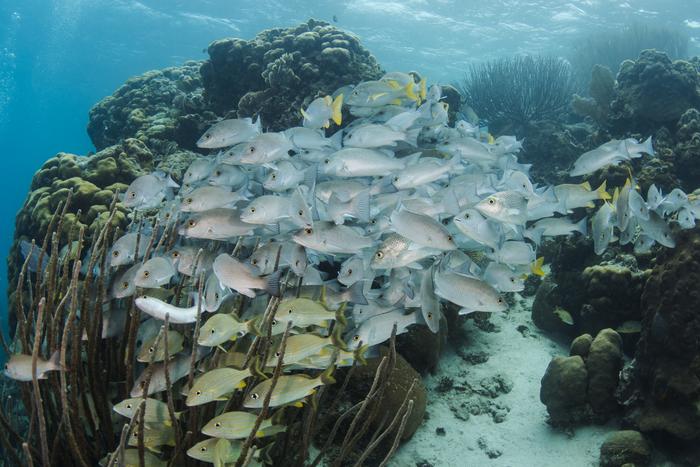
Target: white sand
x: 523, y: 438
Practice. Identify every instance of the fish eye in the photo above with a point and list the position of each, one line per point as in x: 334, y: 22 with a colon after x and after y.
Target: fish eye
x: 289, y: 312
x: 251, y: 149
x: 203, y: 449
x: 207, y: 136
x: 254, y: 262
x: 274, y: 176
x: 125, y: 285
x: 199, y: 393
x: 217, y: 173
x: 189, y: 201
x: 327, y: 161
x: 449, y: 238
x: 356, y: 337
x: 396, y: 179
x: 500, y: 300
x: 192, y: 223
x: 151, y: 350
x: 128, y: 406
x: 274, y: 322
x: 277, y: 354
x: 492, y: 201
x: 430, y: 316
x: 524, y: 186
x: 216, y: 296
x: 301, y: 212
x: 512, y: 279
x: 167, y: 216
x: 176, y: 254
x: 146, y: 273
x: 132, y: 194
x: 308, y: 231
x: 254, y: 396
x: 379, y: 255
x: 252, y: 209
x: 217, y: 425
x: 115, y: 253
x: 350, y: 271
x: 373, y: 221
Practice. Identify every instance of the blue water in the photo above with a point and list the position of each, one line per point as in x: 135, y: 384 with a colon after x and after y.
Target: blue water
x: 59, y: 57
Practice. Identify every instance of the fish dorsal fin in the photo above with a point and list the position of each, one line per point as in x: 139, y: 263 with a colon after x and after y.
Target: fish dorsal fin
x: 586, y: 186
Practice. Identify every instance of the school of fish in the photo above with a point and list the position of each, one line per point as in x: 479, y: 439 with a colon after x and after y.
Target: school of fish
x: 357, y: 230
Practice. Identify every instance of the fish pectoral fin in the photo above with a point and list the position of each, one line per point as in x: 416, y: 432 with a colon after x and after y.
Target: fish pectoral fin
x: 298, y: 404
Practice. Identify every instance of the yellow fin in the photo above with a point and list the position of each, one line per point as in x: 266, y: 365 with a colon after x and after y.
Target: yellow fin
x: 304, y: 114
x: 396, y: 102
x: 586, y: 186
x: 337, y: 108
x: 259, y: 434
x: 536, y: 267
x: 299, y: 404
x: 616, y: 195
x: 393, y: 84
x: 374, y: 97
x: 328, y: 100
x: 410, y: 92
x: 423, y: 89
x: 490, y: 138
x: 602, y: 193
x: 327, y: 124
x: 241, y: 385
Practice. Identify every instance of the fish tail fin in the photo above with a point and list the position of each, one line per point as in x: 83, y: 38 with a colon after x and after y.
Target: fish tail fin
x: 601, y: 190
x: 357, y: 294
x: 535, y: 235
x: 273, y: 284
x: 423, y: 88
x: 582, y: 226
x: 337, y: 139
x: 55, y: 361
x: 336, y: 108
x: 616, y: 195
x: 536, y: 267
x: 648, y: 147
x: 362, y: 206
x: 410, y: 93
x: 327, y: 376
x: 412, y: 136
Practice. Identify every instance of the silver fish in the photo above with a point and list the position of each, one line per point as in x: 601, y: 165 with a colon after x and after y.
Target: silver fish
x: 215, y: 224
x: 422, y: 229
x: 467, y: 292
x: 241, y: 278
x: 230, y: 132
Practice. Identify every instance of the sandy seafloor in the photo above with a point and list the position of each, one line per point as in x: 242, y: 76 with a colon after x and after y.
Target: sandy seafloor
x: 518, y: 354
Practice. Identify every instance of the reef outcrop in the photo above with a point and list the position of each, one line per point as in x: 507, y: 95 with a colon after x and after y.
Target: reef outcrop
x: 668, y: 354
x: 582, y: 386
x: 282, y: 70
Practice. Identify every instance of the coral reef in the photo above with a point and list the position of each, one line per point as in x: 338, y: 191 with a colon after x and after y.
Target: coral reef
x: 581, y: 387
x: 654, y: 90
x: 161, y: 108
x: 625, y: 447
x: 282, y: 70
x: 602, y: 92
x: 563, y: 388
x: 668, y: 354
